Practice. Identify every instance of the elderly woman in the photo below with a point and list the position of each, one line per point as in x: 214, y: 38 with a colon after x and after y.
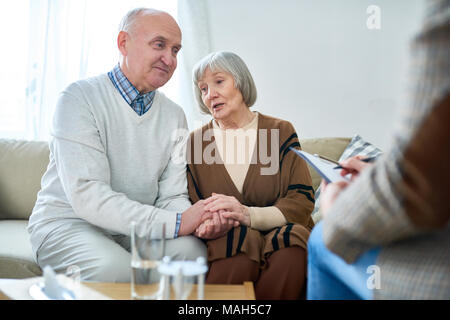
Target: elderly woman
x: 261, y: 216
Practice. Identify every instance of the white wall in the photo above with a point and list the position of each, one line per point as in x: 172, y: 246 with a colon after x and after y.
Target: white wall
x: 317, y: 64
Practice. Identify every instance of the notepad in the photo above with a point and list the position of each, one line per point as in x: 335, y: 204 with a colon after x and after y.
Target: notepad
x: 323, y: 167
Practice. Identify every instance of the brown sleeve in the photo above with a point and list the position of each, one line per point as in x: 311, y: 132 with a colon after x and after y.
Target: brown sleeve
x: 426, y: 171
x: 296, y: 200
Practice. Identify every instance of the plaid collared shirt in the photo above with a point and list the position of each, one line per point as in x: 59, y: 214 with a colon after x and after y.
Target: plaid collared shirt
x: 140, y: 103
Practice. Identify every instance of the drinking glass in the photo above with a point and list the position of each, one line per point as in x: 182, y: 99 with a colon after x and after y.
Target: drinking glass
x: 181, y: 275
x: 146, y: 255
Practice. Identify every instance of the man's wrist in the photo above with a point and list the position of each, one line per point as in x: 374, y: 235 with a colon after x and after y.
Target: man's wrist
x: 178, y: 224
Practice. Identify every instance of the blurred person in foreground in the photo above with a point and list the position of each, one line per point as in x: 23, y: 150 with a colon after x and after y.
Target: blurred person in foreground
x: 386, y: 234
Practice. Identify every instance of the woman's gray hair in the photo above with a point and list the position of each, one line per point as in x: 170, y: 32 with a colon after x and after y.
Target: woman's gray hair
x: 230, y: 63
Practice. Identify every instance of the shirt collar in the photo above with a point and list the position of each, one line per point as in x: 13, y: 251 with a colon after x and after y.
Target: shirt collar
x: 126, y: 88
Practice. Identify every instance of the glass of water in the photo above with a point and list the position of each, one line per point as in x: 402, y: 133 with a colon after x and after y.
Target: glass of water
x: 147, y: 252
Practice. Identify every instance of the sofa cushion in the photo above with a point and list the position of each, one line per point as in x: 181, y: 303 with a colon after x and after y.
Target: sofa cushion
x: 16, y: 257
x: 329, y: 147
x: 358, y: 146
x: 22, y: 164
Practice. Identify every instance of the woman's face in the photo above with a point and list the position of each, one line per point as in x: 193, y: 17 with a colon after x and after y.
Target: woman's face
x: 220, y: 95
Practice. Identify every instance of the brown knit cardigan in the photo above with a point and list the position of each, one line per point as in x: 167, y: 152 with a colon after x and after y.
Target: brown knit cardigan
x: 289, y: 189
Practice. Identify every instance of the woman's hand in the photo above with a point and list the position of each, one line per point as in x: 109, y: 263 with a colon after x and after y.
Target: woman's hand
x: 233, y: 208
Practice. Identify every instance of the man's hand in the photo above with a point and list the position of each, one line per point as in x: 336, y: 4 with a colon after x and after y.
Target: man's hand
x: 193, y: 217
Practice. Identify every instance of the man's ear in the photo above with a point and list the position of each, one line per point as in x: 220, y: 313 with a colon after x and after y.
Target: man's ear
x: 122, y: 39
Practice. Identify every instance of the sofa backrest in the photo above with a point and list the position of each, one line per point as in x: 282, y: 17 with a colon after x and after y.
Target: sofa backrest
x: 331, y: 148
x: 22, y: 164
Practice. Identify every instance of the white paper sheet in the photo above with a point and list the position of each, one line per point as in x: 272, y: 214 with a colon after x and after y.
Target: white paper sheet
x: 324, y: 167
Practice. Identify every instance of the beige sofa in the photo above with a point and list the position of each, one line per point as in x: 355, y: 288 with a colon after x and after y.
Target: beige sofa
x: 22, y: 164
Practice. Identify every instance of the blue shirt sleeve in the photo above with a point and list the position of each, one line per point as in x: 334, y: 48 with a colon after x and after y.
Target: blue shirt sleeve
x: 177, y: 226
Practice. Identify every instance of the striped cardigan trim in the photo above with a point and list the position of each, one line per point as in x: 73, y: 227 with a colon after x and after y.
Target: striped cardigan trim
x: 230, y: 239
x: 292, y: 145
x: 300, y: 188
x: 197, y: 190
x: 294, y: 135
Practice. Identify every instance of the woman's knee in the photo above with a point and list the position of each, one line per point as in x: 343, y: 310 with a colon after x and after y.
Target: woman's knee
x: 233, y: 270
x: 290, y: 256
x: 285, y: 275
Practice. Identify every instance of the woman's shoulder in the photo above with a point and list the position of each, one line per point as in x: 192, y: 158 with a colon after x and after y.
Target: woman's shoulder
x: 200, y: 130
x: 271, y: 122
x: 286, y: 131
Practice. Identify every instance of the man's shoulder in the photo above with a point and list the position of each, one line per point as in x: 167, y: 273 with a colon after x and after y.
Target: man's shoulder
x: 170, y: 107
x: 87, y: 84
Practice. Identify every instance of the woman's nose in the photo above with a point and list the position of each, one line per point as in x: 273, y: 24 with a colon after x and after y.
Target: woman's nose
x: 212, y: 93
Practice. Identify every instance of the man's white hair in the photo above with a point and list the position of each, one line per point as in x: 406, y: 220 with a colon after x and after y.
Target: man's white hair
x: 130, y: 18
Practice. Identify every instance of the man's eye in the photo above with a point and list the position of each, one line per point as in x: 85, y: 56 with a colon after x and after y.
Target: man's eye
x: 203, y: 89
x: 159, y: 44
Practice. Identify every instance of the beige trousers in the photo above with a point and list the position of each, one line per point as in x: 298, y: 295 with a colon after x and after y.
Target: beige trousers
x: 100, y: 256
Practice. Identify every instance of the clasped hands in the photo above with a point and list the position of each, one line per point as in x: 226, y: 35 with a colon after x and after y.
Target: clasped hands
x: 213, y: 217
x: 226, y: 212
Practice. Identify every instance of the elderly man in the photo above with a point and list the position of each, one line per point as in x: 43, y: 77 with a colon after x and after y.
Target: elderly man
x: 112, y: 161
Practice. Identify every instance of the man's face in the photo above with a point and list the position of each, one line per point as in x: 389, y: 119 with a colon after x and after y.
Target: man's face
x: 150, y: 51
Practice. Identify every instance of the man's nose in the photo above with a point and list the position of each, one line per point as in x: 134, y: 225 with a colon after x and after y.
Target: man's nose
x: 167, y: 58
